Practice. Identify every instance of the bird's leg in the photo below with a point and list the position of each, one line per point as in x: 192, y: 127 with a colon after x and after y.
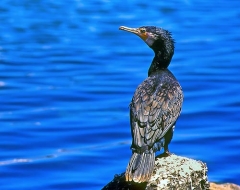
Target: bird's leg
x: 168, y: 138
x: 166, y: 150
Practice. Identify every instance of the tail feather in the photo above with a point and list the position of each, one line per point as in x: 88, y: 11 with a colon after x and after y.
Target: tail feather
x: 140, y: 167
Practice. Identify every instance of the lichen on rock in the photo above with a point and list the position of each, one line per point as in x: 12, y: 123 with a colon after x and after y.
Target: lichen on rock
x: 176, y: 172
x: 170, y: 173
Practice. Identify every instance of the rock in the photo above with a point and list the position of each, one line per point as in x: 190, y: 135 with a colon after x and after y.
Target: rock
x: 172, y: 172
x: 119, y: 183
x: 176, y: 172
x: 226, y: 186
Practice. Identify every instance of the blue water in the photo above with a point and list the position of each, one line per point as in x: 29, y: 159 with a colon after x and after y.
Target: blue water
x: 68, y: 75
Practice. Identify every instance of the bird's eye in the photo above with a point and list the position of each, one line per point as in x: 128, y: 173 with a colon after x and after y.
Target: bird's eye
x: 142, y: 30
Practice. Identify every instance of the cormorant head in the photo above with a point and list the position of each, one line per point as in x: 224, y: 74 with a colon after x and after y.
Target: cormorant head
x: 158, y: 39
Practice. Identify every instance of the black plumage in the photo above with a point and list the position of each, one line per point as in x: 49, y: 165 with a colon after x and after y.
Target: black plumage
x: 155, y: 106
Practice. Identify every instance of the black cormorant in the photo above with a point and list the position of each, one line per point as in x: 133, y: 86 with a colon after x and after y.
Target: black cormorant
x: 155, y: 106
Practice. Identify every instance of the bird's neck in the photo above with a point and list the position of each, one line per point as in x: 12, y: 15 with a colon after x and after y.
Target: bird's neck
x: 158, y: 63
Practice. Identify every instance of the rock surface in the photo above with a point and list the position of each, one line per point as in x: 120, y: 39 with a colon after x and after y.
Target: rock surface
x: 176, y: 172
x: 226, y: 186
x: 172, y: 172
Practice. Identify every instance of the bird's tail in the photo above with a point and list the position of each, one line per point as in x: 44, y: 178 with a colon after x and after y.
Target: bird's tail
x: 140, y: 167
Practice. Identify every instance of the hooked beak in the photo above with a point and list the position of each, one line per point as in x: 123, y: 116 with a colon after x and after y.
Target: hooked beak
x: 136, y: 31
x: 132, y: 30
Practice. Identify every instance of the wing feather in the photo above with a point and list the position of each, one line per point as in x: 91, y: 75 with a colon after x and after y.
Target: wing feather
x: 154, y: 109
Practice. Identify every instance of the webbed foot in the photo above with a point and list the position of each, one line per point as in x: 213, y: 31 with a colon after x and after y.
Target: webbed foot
x: 165, y: 154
